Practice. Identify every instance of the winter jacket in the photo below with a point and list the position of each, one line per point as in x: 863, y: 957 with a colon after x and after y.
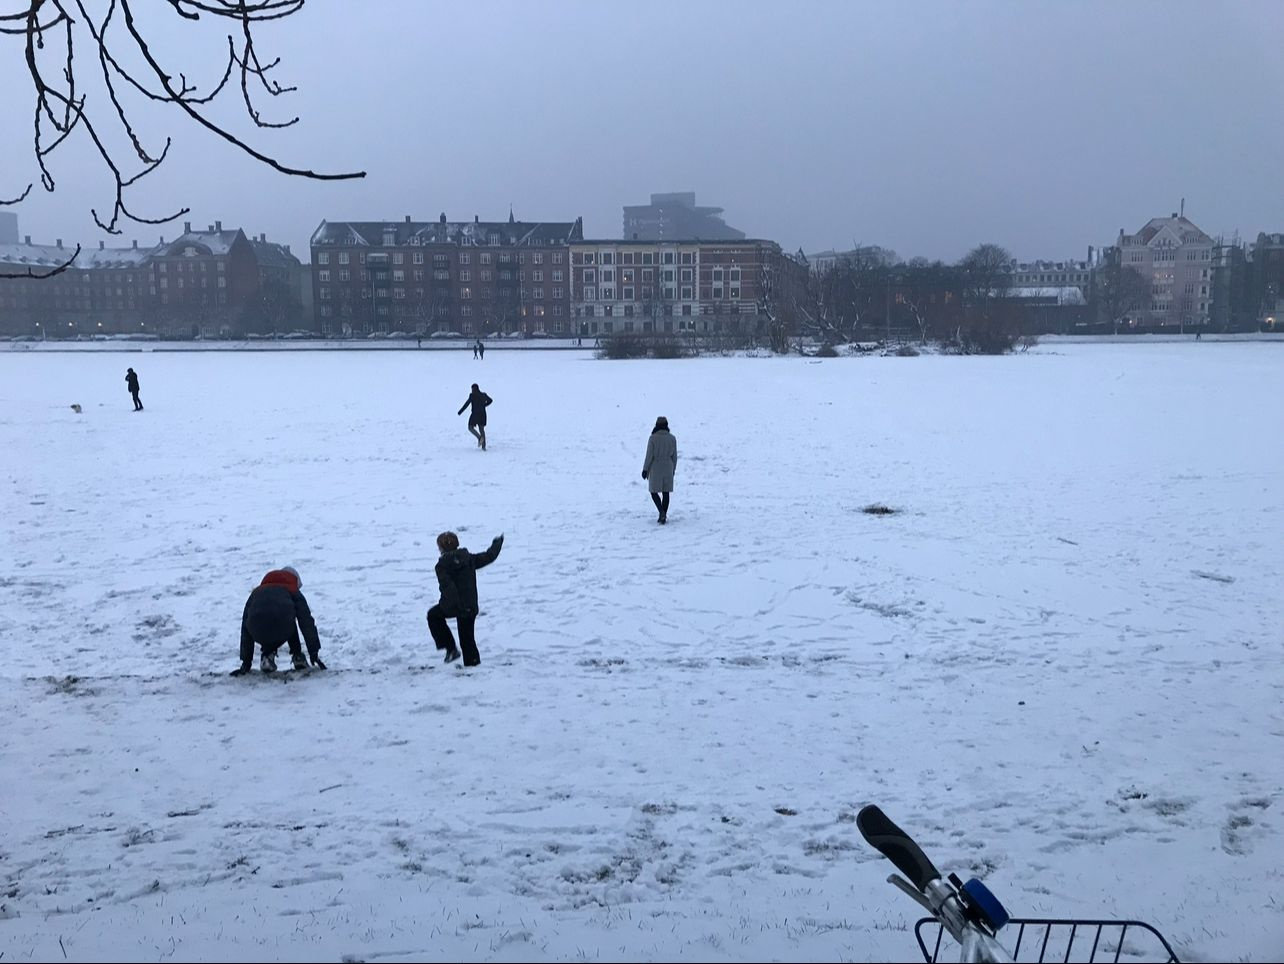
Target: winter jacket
x: 661, y: 460
x: 271, y: 612
x: 457, y: 577
x: 478, y: 400
x: 131, y: 382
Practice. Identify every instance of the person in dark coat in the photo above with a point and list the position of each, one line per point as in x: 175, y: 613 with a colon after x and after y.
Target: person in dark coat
x: 477, y: 417
x: 457, y: 579
x: 274, y: 614
x: 481, y: 349
x: 131, y: 382
x: 660, y: 464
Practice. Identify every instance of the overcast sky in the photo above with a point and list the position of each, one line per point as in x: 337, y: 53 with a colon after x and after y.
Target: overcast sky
x: 926, y: 127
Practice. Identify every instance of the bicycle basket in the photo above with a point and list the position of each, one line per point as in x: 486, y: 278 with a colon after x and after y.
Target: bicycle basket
x: 1048, y: 939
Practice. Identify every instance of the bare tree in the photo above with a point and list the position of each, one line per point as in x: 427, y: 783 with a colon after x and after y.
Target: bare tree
x: 987, y: 275
x: 930, y: 293
x: 132, y: 74
x: 1120, y: 289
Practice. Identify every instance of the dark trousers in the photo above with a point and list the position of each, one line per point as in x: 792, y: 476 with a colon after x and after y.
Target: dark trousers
x: 137, y: 404
x: 661, y: 503
x: 247, y: 644
x: 440, y: 630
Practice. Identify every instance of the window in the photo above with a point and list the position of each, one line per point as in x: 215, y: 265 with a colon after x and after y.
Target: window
x: 717, y: 274
x: 586, y: 257
x: 557, y: 257
x: 735, y: 274
x: 608, y: 294
x: 735, y: 293
x: 590, y: 276
x: 559, y: 292
x: 668, y: 293
x: 465, y: 292
x: 608, y: 274
x: 465, y: 274
x: 647, y: 257
x: 323, y: 257
x: 717, y: 294
x: 668, y: 257
x: 537, y: 275
x: 557, y: 310
x: 418, y: 275
x: 344, y: 258
x: 686, y: 309
x: 607, y: 257
x: 647, y: 273
x: 323, y: 275
x: 686, y: 274
x: 590, y: 294
x: 222, y: 282
x: 466, y: 310
x: 521, y: 257
x: 688, y: 257
x: 398, y: 275
x: 417, y: 257
x: 398, y: 258
x: 627, y: 294
x: 505, y: 257
x: 537, y: 257
x: 485, y: 275
x: 465, y: 258
x: 484, y: 257
x: 557, y: 275
x: 537, y: 293
x: 686, y: 293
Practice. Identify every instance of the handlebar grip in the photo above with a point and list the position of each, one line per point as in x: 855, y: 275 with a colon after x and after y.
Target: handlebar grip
x: 896, y: 845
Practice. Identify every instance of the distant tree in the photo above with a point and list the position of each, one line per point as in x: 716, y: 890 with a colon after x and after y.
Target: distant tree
x: 986, y: 275
x: 59, y: 34
x: 930, y: 293
x: 846, y: 297
x: 1119, y: 290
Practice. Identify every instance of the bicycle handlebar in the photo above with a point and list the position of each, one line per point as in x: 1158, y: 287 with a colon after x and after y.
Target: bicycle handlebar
x: 896, y: 845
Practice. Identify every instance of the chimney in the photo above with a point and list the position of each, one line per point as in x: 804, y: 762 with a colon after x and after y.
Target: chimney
x: 443, y: 217
x: 187, y: 227
x: 263, y: 237
x: 100, y: 245
x: 218, y: 225
x: 209, y: 229
x: 60, y: 242
x: 476, y: 219
x: 407, y: 218
x: 287, y: 248
x: 135, y: 244
x: 26, y: 239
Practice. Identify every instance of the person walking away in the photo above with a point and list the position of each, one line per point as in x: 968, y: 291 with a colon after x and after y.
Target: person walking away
x: 457, y: 579
x: 478, y: 400
x: 481, y: 349
x: 131, y: 382
x: 660, y: 464
x: 475, y: 344
x: 273, y: 616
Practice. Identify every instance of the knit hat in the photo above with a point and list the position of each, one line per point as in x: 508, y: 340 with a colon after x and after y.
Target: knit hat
x: 661, y: 422
x: 295, y: 573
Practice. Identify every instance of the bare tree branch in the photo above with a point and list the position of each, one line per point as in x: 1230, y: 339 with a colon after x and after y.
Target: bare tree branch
x: 30, y: 273
x: 61, y: 107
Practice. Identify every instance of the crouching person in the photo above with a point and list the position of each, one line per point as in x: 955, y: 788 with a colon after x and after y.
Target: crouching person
x: 274, y: 614
x: 457, y: 579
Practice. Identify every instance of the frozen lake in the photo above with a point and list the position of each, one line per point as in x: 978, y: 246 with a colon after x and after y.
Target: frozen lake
x: 1057, y: 662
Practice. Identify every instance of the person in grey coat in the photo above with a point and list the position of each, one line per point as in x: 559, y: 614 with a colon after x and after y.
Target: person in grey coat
x: 661, y: 462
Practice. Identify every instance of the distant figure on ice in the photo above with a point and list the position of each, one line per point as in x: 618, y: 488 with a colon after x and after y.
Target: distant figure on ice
x: 271, y: 613
x: 661, y: 462
x: 481, y: 349
x: 457, y: 578
x: 477, y: 417
x: 131, y: 382
x: 476, y: 345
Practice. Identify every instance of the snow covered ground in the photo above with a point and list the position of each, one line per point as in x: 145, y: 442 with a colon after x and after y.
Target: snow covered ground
x: 1058, y: 663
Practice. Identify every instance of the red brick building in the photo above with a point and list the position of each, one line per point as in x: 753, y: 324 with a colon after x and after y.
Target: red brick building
x: 202, y: 283
x: 472, y: 277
